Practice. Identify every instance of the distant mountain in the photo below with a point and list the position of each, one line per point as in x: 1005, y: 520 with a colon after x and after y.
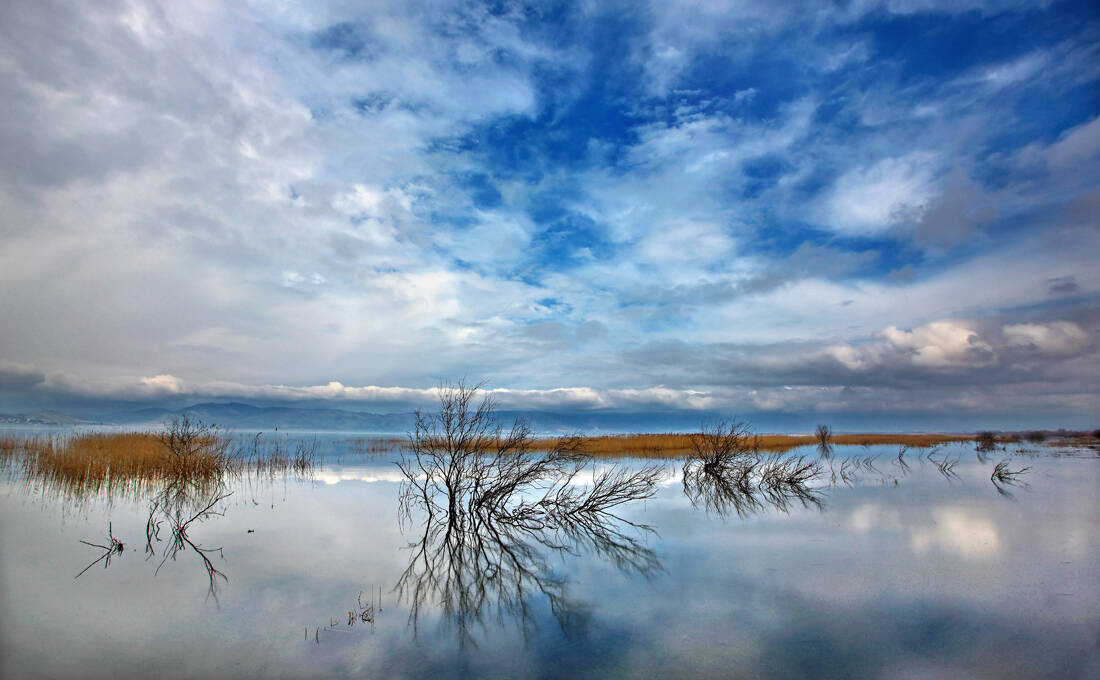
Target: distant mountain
x: 243, y: 416
x: 40, y: 418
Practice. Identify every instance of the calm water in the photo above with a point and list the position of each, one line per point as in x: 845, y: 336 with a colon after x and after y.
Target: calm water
x: 932, y: 576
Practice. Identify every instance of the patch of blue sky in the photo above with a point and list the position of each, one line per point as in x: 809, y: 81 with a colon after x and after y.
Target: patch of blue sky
x: 481, y: 190
x: 569, y: 241
x: 343, y: 40
x: 751, y: 86
x: 372, y: 103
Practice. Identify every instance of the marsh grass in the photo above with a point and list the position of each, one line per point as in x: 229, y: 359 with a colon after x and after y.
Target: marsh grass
x: 375, y: 446
x: 186, y: 454
x: 675, y: 445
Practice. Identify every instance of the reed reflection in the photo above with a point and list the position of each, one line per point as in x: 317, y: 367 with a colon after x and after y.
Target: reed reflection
x: 185, y: 472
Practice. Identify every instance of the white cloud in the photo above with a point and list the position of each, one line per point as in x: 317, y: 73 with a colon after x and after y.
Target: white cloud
x: 1058, y: 337
x: 957, y: 531
x: 871, y: 199
x: 940, y: 344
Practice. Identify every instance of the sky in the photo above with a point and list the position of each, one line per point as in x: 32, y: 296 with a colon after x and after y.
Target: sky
x: 865, y: 208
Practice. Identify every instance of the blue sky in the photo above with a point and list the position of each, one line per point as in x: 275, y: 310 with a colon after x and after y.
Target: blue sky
x: 750, y: 207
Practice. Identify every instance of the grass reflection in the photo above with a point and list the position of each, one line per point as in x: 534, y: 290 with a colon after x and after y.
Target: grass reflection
x: 187, y: 456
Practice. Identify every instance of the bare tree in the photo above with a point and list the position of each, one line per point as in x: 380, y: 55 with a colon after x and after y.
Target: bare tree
x: 985, y: 441
x: 824, y: 436
x: 494, y: 509
x: 725, y: 445
x: 727, y: 472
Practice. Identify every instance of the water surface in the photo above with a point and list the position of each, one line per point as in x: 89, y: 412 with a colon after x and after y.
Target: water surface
x: 900, y: 570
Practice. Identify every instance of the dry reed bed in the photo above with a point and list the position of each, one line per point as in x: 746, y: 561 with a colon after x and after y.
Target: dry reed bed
x: 139, y: 462
x: 680, y: 445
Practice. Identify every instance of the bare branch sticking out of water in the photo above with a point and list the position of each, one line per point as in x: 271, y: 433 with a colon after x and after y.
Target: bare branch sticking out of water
x: 181, y: 507
x: 905, y: 469
x: 1002, y: 473
x: 947, y: 467
x: 113, y: 547
x: 824, y: 437
x: 361, y: 613
x: 1003, y: 477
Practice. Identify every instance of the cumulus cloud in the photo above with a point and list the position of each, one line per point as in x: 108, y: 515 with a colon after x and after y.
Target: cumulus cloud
x: 940, y: 344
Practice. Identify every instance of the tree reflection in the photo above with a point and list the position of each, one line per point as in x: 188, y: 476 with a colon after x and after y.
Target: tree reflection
x: 727, y: 473
x: 753, y: 485
x: 496, y: 514
x: 178, y: 507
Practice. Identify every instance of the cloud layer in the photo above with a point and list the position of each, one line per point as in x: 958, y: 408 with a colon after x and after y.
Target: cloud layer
x: 677, y: 205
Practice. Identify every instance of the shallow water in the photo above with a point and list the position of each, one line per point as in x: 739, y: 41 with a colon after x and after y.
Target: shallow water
x: 899, y: 573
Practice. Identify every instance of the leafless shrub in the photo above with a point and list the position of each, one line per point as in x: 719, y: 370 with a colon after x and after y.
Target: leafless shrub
x: 494, y: 508
x: 985, y: 441
x: 724, y: 446
x: 1002, y: 473
x: 728, y: 473
x: 193, y: 445
x: 824, y: 437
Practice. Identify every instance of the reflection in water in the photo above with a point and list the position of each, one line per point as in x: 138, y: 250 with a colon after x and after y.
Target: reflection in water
x: 1004, y: 477
x: 477, y: 565
x: 181, y: 505
x: 752, y: 484
x: 175, y: 509
x: 363, y: 613
x: 495, y: 512
x: 824, y: 437
x: 938, y: 579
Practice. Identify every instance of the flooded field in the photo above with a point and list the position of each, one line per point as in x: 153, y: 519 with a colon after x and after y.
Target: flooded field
x: 859, y: 561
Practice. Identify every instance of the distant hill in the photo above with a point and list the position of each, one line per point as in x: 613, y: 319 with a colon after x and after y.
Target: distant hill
x: 238, y: 415
x: 243, y: 416
x: 40, y: 418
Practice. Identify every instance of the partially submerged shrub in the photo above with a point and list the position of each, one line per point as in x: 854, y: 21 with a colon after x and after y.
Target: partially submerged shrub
x: 985, y: 441
x: 728, y: 472
x: 1002, y: 473
x: 493, y: 507
x: 724, y: 446
x: 460, y: 460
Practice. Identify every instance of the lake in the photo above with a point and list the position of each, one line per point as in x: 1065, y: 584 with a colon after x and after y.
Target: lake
x: 888, y: 567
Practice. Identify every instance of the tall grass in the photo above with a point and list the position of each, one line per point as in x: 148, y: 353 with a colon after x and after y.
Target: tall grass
x: 675, y: 445
x: 184, y: 454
